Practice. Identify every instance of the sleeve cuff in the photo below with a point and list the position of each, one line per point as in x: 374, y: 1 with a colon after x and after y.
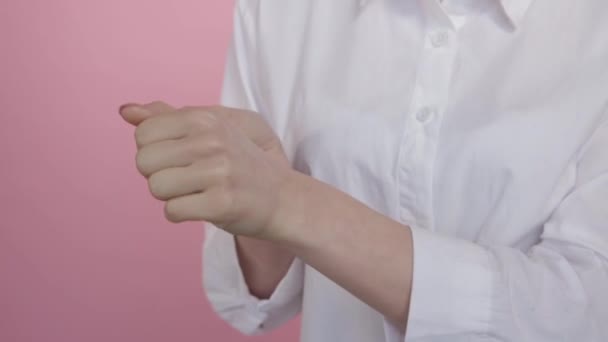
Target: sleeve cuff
x: 453, y: 285
x: 229, y: 295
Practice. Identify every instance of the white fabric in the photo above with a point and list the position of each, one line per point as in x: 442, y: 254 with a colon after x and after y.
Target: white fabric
x: 481, y: 124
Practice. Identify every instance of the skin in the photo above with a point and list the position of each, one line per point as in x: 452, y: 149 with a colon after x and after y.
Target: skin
x: 226, y: 166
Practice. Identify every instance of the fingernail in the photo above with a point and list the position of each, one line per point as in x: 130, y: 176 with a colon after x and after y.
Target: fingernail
x: 127, y: 105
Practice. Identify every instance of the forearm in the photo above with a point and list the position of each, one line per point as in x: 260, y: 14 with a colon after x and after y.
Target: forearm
x: 263, y: 263
x: 365, y: 252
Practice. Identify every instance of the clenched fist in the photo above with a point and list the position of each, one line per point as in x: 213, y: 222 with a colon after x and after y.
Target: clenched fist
x: 216, y: 164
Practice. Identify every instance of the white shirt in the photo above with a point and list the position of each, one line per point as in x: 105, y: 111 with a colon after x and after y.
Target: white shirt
x: 481, y: 125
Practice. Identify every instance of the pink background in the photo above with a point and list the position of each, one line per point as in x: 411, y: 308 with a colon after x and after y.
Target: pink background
x: 85, y: 251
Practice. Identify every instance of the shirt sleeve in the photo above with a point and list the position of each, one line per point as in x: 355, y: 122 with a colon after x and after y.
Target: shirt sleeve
x: 223, y: 281
x: 227, y: 291
x: 555, y: 291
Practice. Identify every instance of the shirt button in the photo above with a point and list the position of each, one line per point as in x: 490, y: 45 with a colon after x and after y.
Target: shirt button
x: 425, y: 114
x: 440, y: 38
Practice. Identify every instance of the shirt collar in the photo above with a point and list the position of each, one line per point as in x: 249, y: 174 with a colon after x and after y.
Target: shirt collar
x: 514, y: 10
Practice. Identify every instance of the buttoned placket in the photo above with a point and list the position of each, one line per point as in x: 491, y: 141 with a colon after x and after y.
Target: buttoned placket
x: 427, y: 108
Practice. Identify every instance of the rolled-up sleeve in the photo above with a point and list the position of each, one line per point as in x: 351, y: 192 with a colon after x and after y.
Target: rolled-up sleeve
x: 555, y: 291
x: 227, y: 291
x: 223, y: 281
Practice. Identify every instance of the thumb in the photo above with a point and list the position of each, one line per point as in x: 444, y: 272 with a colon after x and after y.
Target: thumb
x: 135, y: 113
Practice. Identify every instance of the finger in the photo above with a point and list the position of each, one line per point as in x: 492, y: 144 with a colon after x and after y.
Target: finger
x: 158, y: 107
x: 202, y: 206
x: 175, y: 125
x: 180, y: 181
x: 135, y: 113
x: 160, y: 155
x: 173, y: 153
x: 165, y: 126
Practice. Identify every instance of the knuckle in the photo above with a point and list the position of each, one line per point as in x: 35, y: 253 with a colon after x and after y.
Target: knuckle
x: 171, y: 211
x: 159, y: 103
x: 216, y: 108
x: 202, y: 146
x: 189, y: 109
x: 140, y: 135
x: 202, y: 119
x: 157, y: 186
x: 216, y: 143
x: 141, y: 162
x: 206, y: 144
x: 193, y: 148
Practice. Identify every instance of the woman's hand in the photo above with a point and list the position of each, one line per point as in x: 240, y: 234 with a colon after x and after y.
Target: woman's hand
x: 216, y: 164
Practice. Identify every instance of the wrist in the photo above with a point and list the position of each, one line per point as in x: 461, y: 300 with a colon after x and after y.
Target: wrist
x: 291, y: 209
